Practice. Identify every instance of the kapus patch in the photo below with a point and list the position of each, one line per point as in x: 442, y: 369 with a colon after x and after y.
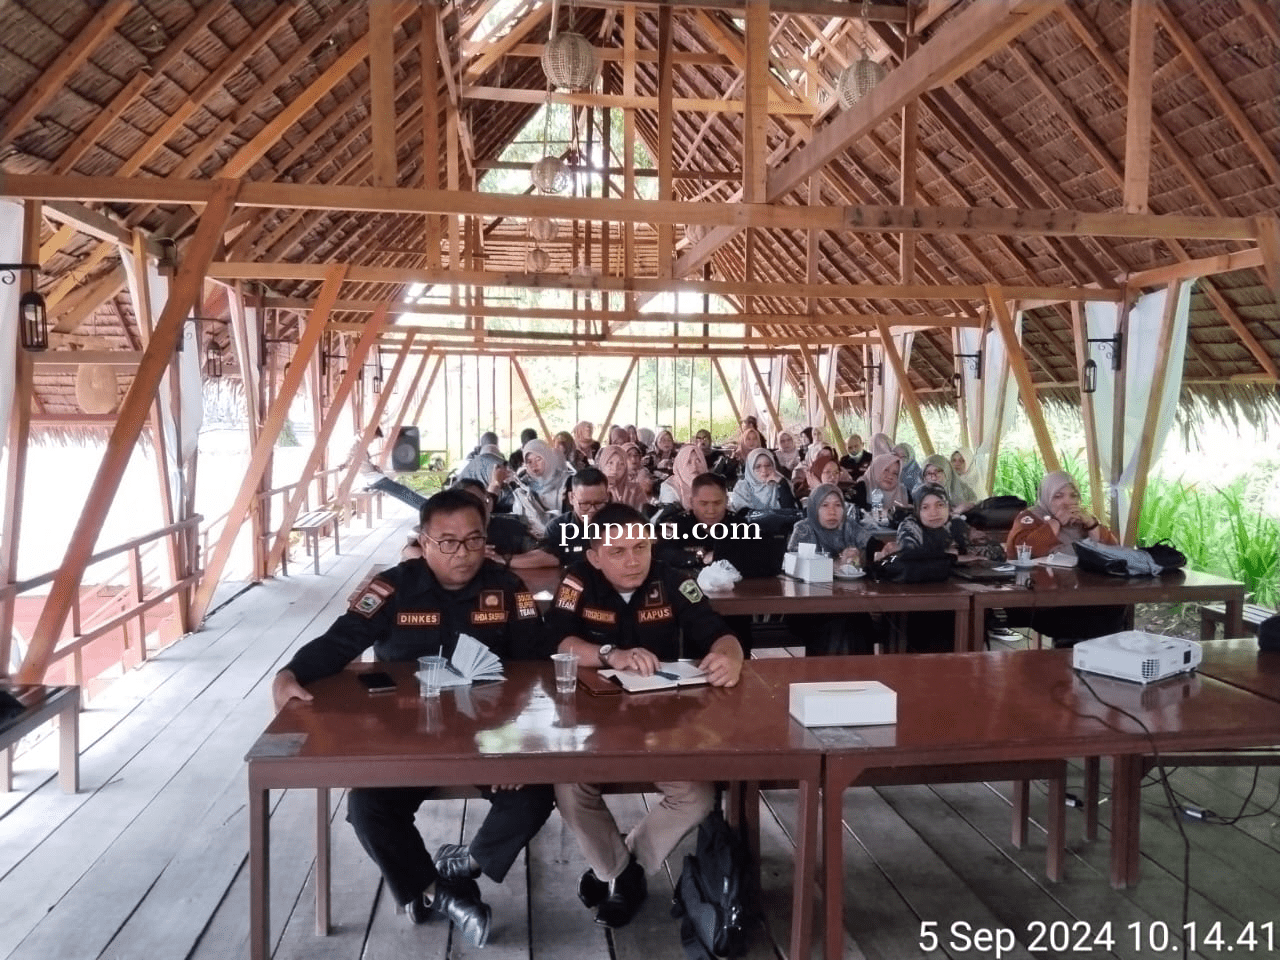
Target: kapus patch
x: 372, y: 598
x: 526, y: 609
x: 691, y: 591
x: 652, y: 614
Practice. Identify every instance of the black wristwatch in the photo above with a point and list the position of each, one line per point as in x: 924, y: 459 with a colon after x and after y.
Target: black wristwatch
x: 604, y: 651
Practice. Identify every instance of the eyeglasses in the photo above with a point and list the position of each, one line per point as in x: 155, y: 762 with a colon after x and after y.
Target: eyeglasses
x: 449, y: 547
x: 592, y: 504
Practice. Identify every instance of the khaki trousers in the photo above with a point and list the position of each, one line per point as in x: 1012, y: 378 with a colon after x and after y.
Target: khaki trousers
x: 684, y: 805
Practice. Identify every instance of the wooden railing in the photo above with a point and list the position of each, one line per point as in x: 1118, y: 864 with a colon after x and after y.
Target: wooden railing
x: 135, y: 599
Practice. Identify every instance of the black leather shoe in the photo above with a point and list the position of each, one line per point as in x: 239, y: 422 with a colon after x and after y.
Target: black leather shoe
x: 464, y: 909
x: 592, y: 891
x: 453, y: 862
x: 626, y: 892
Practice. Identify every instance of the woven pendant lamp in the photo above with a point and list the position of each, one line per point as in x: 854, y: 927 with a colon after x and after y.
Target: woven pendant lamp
x: 538, y: 260
x: 543, y: 230
x: 550, y: 175
x: 860, y: 77
x: 569, y: 61
x: 96, y: 391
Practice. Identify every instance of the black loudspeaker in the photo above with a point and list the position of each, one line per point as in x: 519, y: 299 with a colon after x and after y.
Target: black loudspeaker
x: 405, y: 454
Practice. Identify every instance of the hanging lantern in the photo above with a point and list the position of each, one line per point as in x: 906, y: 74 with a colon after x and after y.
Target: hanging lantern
x: 695, y: 233
x: 213, y: 361
x: 33, y: 322
x: 858, y: 79
x: 543, y: 230
x: 550, y: 175
x: 538, y: 260
x: 96, y: 390
x: 569, y: 61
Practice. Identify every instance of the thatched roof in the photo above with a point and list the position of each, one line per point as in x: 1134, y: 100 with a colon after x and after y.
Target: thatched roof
x: 280, y: 93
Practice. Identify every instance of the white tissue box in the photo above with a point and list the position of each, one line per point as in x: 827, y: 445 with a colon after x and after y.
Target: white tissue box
x: 840, y: 703
x: 810, y: 569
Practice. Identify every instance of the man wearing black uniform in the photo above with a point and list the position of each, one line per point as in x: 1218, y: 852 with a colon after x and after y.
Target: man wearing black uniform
x: 564, y: 542
x: 416, y: 609
x: 620, y: 609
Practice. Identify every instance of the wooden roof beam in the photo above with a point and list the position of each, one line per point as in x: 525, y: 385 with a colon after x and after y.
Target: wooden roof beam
x: 622, y: 102
x: 887, y: 13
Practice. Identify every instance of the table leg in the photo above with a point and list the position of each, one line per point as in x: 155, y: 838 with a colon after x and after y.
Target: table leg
x: 322, y: 862
x: 69, y: 746
x: 833, y: 866
x: 1233, y: 620
x: 964, y: 635
x: 259, y: 873
x: 1056, y: 822
x: 1126, y: 812
x: 1092, y: 769
x: 1021, y: 812
x: 977, y: 625
x: 802, y: 885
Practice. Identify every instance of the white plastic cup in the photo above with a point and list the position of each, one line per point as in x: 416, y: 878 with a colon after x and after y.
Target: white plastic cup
x: 430, y: 670
x: 1024, y: 553
x: 566, y: 671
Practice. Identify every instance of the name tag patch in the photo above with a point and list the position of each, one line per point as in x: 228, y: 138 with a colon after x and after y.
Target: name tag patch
x: 429, y: 618
x: 599, y: 616
x: 650, y: 614
x: 481, y: 617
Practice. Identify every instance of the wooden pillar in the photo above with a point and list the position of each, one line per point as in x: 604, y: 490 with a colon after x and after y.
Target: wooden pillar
x: 426, y: 392
x: 366, y: 435
x: 315, y: 324
x: 1137, y: 139
x: 355, y: 368
x: 19, y: 427
x: 1119, y: 401
x: 724, y: 382
x: 750, y: 361
x: 1269, y: 245
x: 962, y: 401
x: 617, y: 398
x: 905, y: 389
x: 818, y: 388
x: 382, y: 98
x: 1146, y: 446
x: 528, y: 392
x: 429, y: 58
x: 1022, y: 375
x: 666, y: 140
x: 250, y: 365
x: 183, y: 295
x: 1080, y: 334
x: 907, y: 168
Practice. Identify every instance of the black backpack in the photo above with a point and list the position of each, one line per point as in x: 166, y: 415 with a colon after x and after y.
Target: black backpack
x: 713, y: 895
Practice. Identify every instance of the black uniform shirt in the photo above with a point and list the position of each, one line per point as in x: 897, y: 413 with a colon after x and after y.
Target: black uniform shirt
x: 575, y: 546
x: 665, y: 609
x: 754, y: 556
x: 404, y: 613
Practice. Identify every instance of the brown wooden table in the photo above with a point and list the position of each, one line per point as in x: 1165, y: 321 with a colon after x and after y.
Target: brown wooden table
x: 1021, y: 706
x: 1240, y: 663
x: 1050, y: 587
x: 520, y: 731
x: 781, y: 595
x: 43, y: 704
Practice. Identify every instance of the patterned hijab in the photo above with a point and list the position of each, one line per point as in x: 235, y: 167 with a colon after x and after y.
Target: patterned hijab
x: 1053, y: 482
x: 689, y: 463
x: 759, y: 494
x: 788, y: 458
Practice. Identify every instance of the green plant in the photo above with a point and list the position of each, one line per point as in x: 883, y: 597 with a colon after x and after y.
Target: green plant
x: 1254, y: 557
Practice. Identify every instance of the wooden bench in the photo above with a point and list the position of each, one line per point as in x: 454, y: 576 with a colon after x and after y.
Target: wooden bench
x: 365, y: 501
x: 1212, y: 614
x: 311, y: 525
x: 43, y: 704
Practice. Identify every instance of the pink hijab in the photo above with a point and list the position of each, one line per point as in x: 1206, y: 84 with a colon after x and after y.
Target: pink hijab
x: 624, y: 489
x: 689, y: 463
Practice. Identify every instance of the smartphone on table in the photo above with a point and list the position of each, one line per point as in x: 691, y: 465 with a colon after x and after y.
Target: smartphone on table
x: 377, y: 682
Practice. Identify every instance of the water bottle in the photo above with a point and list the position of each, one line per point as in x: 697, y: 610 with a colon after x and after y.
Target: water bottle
x: 877, y: 505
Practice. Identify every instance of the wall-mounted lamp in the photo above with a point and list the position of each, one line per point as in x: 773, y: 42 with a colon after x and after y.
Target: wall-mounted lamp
x: 874, y: 370
x: 167, y: 262
x: 975, y: 359
x: 33, y: 321
x: 213, y: 361
x: 1114, y: 347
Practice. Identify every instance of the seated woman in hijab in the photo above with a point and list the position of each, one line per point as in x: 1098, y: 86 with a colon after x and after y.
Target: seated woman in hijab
x: 787, y: 455
x: 612, y: 461
x: 882, y: 487
x: 636, y: 469
x: 661, y: 458
x: 762, y: 488
x: 678, y: 488
x: 540, y: 494
x: 822, y: 469
x: 563, y: 442
x: 516, y: 460
x: 585, y: 447
x: 912, y: 473
x: 489, y: 466
x: 1051, y: 525
x: 837, y: 535
x: 931, y: 531
x: 644, y: 436
x: 732, y: 467
x: 937, y: 469
x: 618, y: 436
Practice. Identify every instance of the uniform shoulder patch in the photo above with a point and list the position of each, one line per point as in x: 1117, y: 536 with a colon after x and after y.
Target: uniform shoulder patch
x: 691, y: 591
x: 568, y: 595
x: 1028, y: 518
x: 526, y: 609
x: 371, y: 599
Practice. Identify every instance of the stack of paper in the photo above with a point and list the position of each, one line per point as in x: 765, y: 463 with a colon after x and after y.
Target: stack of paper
x: 472, y: 662
x: 670, y: 674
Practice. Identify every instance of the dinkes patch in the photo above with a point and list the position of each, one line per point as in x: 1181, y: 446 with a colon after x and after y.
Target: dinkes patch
x: 426, y: 618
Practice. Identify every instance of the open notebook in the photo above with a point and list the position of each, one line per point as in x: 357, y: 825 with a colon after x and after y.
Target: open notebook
x: 670, y: 674
x: 472, y: 662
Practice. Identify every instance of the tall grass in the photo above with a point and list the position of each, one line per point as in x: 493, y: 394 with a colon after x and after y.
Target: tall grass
x: 1220, y: 530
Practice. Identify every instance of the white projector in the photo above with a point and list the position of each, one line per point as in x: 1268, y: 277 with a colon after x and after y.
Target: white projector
x: 1137, y: 656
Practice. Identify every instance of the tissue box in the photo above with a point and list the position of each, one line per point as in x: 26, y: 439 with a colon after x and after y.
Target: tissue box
x: 840, y: 703
x: 811, y: 569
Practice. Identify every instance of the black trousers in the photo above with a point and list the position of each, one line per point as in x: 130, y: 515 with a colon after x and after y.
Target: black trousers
x: 833, y: 634
x: 1067, y: 625
x: 382, y: 818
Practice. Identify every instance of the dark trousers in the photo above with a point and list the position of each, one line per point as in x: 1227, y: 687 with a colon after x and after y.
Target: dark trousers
x: 833, y: 634
x: 1068, y: 625
x: 399, y: 491
x: 383, y: 821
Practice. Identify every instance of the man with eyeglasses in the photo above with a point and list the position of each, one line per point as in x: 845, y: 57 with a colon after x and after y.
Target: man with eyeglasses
x: 416, y: 609
x: 565, y: 541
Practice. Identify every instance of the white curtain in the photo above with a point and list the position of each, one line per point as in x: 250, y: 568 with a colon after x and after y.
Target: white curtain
x: 1140, y: 358
x: 10, y: 252
x: 989, y: 403
x: 885, y: 413
x: 181, y: 437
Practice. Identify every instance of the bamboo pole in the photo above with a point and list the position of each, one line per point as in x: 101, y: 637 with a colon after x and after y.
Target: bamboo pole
x: 366, y: 435
x: 390, y: 437
x: 617, y: 398
x: 133, y: 413
x: 426, y: 392
x: 1080, y: 334
x: 820, y: 390
x: 750, y: 361
x: 905, y: 390
x: 724, y: 382
x: 1119, y: 402
x: 267, y: 436
x: 528, y: 392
